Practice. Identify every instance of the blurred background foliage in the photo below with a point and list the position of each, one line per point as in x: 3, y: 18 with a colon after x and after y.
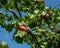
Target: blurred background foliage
x: 3, y: 44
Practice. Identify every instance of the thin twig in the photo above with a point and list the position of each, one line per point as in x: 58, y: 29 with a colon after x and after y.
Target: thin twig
x: 13, y: 13
x: 0, y: 5
x: 56, y: 6
x: 18, y: 10
x: 34, y: 36
x: 50, y: 27
x: 10, y: 11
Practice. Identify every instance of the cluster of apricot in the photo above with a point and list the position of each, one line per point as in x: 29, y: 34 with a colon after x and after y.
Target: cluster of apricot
x: 22, y: 28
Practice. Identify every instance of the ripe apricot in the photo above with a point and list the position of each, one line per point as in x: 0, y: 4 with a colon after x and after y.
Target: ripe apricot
x: 22, y: 27
x: 47, y: 15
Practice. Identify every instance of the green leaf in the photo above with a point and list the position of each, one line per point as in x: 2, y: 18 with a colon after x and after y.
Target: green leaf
x: 9, y: 27
x: 1, y: 21
x: 4, y: 45
x: 58, y: 19
x: 4, y: 2
x: 19, y: 40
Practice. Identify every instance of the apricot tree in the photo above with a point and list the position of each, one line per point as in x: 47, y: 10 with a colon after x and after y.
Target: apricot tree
x: 37, y: 26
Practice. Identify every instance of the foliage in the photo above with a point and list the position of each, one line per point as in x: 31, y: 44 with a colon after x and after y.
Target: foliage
x: 3, y: 45
x: 41, y: 19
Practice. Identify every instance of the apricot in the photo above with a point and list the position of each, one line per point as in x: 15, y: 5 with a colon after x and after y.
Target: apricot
x: 47, y: 15
x: 22, y: 27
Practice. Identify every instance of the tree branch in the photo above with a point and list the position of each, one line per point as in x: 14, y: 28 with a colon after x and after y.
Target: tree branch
x: 35, y: 37
x: 56, y: 6
x: 18, y: 10
x: 13, y: 13
x: 10, y: 11
x: 51, y: 28
x: 0, y: 5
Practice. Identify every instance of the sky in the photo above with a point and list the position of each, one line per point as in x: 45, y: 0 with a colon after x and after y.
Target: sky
x: 7, y: 37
